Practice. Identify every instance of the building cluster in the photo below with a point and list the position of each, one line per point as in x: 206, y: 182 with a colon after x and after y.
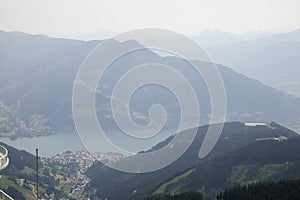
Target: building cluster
x: 84, y: 159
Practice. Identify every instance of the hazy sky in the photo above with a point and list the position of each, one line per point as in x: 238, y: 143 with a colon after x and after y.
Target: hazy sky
x: 75, y: 18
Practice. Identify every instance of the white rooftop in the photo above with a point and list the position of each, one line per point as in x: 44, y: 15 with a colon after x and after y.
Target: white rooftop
x: 255, y: 124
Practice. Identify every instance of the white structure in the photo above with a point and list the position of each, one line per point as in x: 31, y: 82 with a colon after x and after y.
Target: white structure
x: 255, y: 124
x: 3, y: 164
x: 3, y: 157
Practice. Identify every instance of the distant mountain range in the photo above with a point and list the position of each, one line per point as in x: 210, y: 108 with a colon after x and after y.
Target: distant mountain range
x: 272, y: 59
x: 243, y: 154
x: 210, y: 38
x: 37, y: 74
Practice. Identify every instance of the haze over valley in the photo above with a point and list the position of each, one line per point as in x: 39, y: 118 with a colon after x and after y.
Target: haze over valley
x: 149, y: 100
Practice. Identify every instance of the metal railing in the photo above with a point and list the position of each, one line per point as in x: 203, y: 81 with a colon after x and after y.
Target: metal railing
x: 4, y: 196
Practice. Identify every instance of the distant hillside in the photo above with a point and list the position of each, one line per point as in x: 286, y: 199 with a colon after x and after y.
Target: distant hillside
x: 177, y: 177
x: 272, y: 59
x: 213, y: 38
x: 37, y: 74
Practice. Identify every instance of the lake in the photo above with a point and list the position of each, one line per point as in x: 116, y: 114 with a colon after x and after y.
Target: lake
x: 47, y: 145
x: 51, y: 145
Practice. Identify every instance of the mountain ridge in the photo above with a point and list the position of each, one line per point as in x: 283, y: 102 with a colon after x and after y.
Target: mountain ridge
x: 272, y: 59
x: 42, y: 97
x: 235, y: 135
